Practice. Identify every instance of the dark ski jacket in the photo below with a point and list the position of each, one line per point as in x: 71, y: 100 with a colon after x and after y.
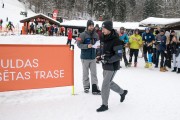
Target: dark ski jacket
x: 112, y: 51
x: 87, y: 38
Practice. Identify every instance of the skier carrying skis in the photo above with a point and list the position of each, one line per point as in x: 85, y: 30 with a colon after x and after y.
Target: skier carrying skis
x: 110, y: 58
x: 88, y: 55
x: 123, y: 37
x: 148, y: 40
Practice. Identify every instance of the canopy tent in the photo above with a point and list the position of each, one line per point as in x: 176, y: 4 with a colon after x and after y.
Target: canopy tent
x: 80, y: 25
x: 166, y: 23
x: 116, y: 25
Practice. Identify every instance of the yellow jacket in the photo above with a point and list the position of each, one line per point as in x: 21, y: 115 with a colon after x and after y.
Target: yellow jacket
x: 135, y: 41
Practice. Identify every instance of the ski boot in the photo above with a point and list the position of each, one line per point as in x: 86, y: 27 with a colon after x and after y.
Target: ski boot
x: 175, y: 69
x: 95, y: 90
x: 146, y: 65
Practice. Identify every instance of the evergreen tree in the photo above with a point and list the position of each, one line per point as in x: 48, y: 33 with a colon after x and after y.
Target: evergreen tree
x: 150, y: 8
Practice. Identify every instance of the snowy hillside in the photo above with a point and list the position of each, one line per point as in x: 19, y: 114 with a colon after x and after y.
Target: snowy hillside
x: 12, y: 10
x: 152, y: 95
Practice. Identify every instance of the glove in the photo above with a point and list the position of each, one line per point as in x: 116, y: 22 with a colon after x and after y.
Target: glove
x: 98, y: 58
x: 104, y: 61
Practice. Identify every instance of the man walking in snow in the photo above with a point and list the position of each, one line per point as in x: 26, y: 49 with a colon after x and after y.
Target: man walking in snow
x: 88, y: 55
x: 112, y: 53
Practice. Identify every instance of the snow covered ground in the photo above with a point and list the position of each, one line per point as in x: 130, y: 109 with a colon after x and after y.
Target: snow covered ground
x: 152, y: 95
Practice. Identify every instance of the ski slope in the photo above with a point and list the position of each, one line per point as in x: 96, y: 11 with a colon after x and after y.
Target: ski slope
x: 12, y: 10
x: 152, y: 95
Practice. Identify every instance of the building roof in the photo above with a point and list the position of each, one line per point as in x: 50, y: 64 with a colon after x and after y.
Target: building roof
x: 40, y: 15
x: 161, y: 22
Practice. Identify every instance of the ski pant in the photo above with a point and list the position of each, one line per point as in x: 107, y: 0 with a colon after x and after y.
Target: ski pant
x: 154, y: 55
x: 68, y: 42
x: 158, y: 53
x: 109, y: 84
x: 134, y: 52
x: 32, y: 30
x: 89, y: 65
x: 176, y: 61
x: 124, y: 55
x: 148, y: 50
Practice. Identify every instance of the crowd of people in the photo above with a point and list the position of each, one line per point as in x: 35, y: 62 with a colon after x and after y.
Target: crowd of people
x: 46, y: 29
x: 112, y: 49
x: 9, y: 28
x: 32, y: 29
x: 156, y: 47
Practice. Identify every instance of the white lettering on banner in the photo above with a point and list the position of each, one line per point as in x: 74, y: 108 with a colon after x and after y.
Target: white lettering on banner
x: 49, y: 74
x: 10, y: 75
x: 18, y: 63
x: 7, y: 76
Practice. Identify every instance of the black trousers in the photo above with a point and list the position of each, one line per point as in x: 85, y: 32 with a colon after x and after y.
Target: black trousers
x: 124, y: 55
x: 68, y: 42
x: 146, y: 50
x: 158, y: 53
x: 32, y: 30
x: 134, y: 52
x: 154, y: 56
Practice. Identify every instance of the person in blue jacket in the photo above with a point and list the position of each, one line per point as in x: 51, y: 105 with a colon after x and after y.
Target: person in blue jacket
x: 148, y: 40
x: 88, y: 57
x: 123, y: 37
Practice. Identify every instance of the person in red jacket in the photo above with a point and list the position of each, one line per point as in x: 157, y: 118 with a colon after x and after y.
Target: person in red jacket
x: 69, y: 37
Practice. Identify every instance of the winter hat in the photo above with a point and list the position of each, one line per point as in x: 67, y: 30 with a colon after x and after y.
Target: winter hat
x: 147, y: 28
x: 97, y: 26
x: 156, y: 32
x: 108, y: 25
x: 122, y: 28
x: 90, y: 22
x: 136, y: 30
x: 172, y: 31
x: 162, y: 30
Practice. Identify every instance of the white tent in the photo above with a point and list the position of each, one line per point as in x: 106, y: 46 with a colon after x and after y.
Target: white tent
x: 116, y: 25
x: 161, y: 22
